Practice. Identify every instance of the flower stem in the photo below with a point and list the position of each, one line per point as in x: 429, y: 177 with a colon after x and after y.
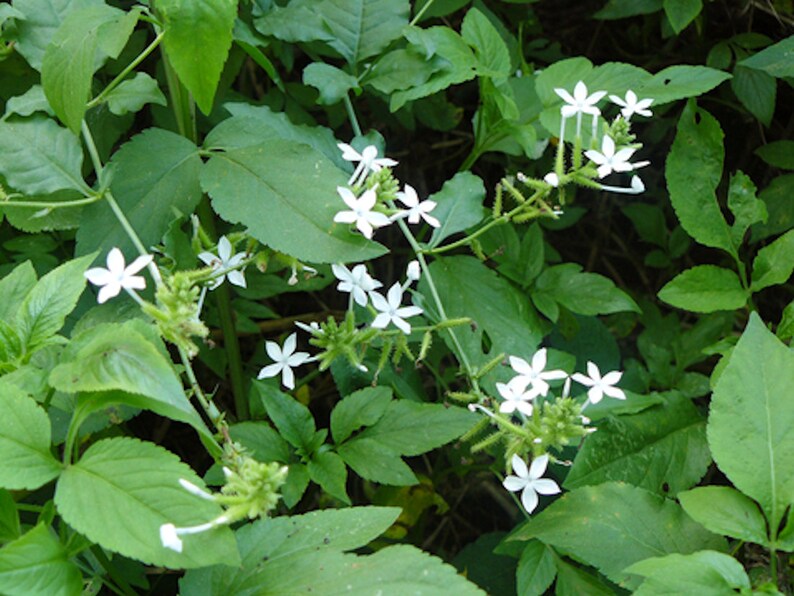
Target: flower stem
x: 52, y: 204
x: 351, y: 114
x: 421, y: 12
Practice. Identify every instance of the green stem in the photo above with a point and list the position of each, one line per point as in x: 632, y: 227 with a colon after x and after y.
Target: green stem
x: 351, y: 114
x: 773, y: 565
x: 208, y: 406
x: 183, y: 105
x: 123, y: 74
x: 50, y: 204
x: 419, y: 14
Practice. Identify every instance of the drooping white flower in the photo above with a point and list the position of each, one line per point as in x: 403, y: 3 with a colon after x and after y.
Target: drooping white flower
x: 609, y: 160
x: 413, y: 272
x: 226, y: 262
x: 516, y: 396
x: 170, y: 535
x: 368, y: 161
x: 313, y: 327
x: 358, y: 282
x: 118, y: 276
x: 284, y: 360
x: 580, y: 102
x: 416, y: 209
x: 390, y: 310
x: 600, y: 386
x: 195, y: 490
x: 361, y: 212
x: 552, y: 178
x: 635, y: 188
x: 632, y: 106
x: 530, y: 481
x: 535, y: 374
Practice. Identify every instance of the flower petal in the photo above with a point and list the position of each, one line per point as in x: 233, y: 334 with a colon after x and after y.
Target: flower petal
x: 538, y: 466
x: 514, y: 483
x: 519, y: 467
x: 545, y: 486
x: 529, y: 499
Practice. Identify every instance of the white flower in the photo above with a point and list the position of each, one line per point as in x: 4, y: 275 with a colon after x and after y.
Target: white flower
x: 225, y: 262
x: 636, y: 188
x: 170, y: 538
x: 195, y: 490
x: 390, y: 310
x: 632, y: 106
x: 600, y: 386
x: 530, y: 482
x: 552, y: 178
x: 535, y: 374
x: 358, y: 282
x: 609, y: 160
x: 313, y: 327
x: 580, y: 102
x: 368, y: 161
x: 284, y: 360
x: 361, y: 211
x: 413, y: 271
x: 117, y: 275
x: 416, y: 209
x: 516, y: 396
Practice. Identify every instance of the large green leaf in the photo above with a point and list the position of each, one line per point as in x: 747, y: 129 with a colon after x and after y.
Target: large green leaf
x: 776, y: 60
x: 25, y: 458
x: 134, y: 93
x: 37, y: 564
x: 612, y: 525
x: 682, y: 12
x: 40, y: 157
x: 9, y: 517
x: 492, y: 54
x: 751, y: 417
x: 662, y: 449
x: 328, y: 470
x: 293, y: 420
x: 120, y: 493
x: 155, y: 179
x: 285, y: 194
x: 774, y: 263
x: 705, y: 573
x: 197, y: 39
x: 757, y: 91
x: 705, y: 288
x: 362, y: 408
x: 724, y: 510
x: 459, y: 205
x: 13, y: 289
x: 376, y: 462
x: 681, y: 81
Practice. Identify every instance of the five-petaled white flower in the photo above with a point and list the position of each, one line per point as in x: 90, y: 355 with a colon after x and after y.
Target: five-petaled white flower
x: 609, y: 160
x: 580, y: 102
x: 390, y: 311
x: 225, y: 261
x: 530, y: 481
x: 368, y: 161
x: 516, y: 397
x: 535, y: 374
x: 358, y: 282
x: 416, y: 209
x: 632, y: 106
x: 361, y: 212
x: 284, y: 360
x: 117, y: 275
x: 600, y: 386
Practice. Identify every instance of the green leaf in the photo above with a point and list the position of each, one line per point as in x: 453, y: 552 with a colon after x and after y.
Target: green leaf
x: 155, y: 180
x: 747, y: 209
x: 493, y: 57
x: 120, y: 493
x: 285, y: 193
x: 49, y: 219
x: 40, y: 157
x: 36, y: 564
x: 780, y: 215
x: 376, y: 462
x: 583, y: 293
x: 757, y: 91
x: 774, y: 263
x: 134, y: 93
x: 693, y: 171
x: 362, y: 408
x: 292, y: 418
x: 536, y: 568
x: 681, y: 81
x: 779, y: 154
x: 328, y: 470
x: 706, y: 573
x: 43, y: 312
x: 682, y: 12
x: 30, y: 102
x: 635, y: 523
x: 9, y: 517
x: 750, y: 419
x: 776, y: 60
x: 574, y: 581
x: 296, y: 484
x: 263, y: 441
x: 459, y: 205
x: 724, y: 510
x: 662, y: 449
x: 621, y: 9
x: 197, y: 39
x: 332, y: 82
x: 400, y: 69
x: 25, y: 458
x: 13, y: 289
x: 705, y: 288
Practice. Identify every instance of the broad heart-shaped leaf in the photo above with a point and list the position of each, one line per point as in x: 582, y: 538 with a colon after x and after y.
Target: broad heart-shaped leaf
x: 724, y: 510
x: 25, y: 458
x: 133, y: 94
x: 705, y: 288
x: 44, y: 310
x: 776, y: 60
x: 37, y: 564
x: 751, y: 417
x: 774, y: 263
x: 662, y: 449
x: 459, y: 205
x: 757, y: 91
x: 197, y: 39
x: 693, y: 171
x: 681, y: 81
x: 705, y: 573
x: 40, y: 157
x: 363, y: 28
x: 612, y: 525
x: 120, y: 493
x: 285, y: 194
x: 682, y: 12
x: 155, y: 179
x: 362, y: 408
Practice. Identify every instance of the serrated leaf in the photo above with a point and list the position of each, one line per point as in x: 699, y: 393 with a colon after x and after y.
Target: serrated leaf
x: 25, y: 458
x: 706, y: 573
x: 747, y: 209
x: 399, y: 69
x: 750, y: 418
x: 328, y: 470
x: 292, y: 418
x: 776, y: 60
x: 724, y: 510
x: 40, y: 157
x: 331, y: 82
x: 30, y: 102
x: 197, y: 39
x: 493, y: 57
x: 285, y: 194
x: 536, y: 568
x: 376, y: 462
x: 362, y: 408
x: 757, y: 91
x: 774, y: 263
x: 32, y: 220
x: 705, y: 288
x: 120, y: 493
x: 681, y: 81
x: 662, y: 449
x: 459, y: 205
x: 574, y: 581
x: 132, y: 94
x: 37, y: 564
x: 682, y: 12
x: 583, y: 293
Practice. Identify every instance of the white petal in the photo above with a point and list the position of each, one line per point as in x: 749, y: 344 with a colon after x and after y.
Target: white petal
x: 209, y: 259
x: 298, y: 358
x: 236, y: 278
x: 583, y: 379
x: 409, y: 197
x: 539, y: 360
x: 538, y: 466
x: 367, y: 200
x: 107, y: 292
x: 552, y: 178
x: 395, y: 296
x: 271, y: 370
x: 224, y: 248
x: 287, y: 378
x: 378, y: 219
x: 617, y: 100
x: 431, y: 221
x: 546, y: 486
x: 519, y: 467
x: 379, y: 302
x: 508, y: 407
x: 274, y: 351
x: 364, y: 227
x: 520, y: 365
x: 169, y: 538
x: 347, y: 196
x: 566, y: 97
x: 595, y: 156
x: 138, y: 264
x: 408, y: 311
x: 514, y: 483
x: 595, y: 394
x: 593, y: 371
x: 99, y: 276
x: 611, y: 378
x: 614, y: 392
x: 115, y: 261
x: 345, y: 217
x: 381, y: 321
x: 525, y: 408
x: 348, y: 153
x: 529, y: 499
x: 289, y: 344
x: 134, y: 282
x: 402, y: 325
x: 580, y: 91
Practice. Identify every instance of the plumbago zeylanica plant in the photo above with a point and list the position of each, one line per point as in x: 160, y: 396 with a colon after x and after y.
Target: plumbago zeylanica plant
x: 242, y: 282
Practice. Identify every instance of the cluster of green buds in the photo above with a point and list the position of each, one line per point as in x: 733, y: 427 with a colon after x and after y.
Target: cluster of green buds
x: 340, y: 339
x: 177, y: 310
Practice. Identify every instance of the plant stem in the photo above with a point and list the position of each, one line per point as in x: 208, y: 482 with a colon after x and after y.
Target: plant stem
x: 51, y: 204
x: 419, y: 14
x: 351, y: 114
